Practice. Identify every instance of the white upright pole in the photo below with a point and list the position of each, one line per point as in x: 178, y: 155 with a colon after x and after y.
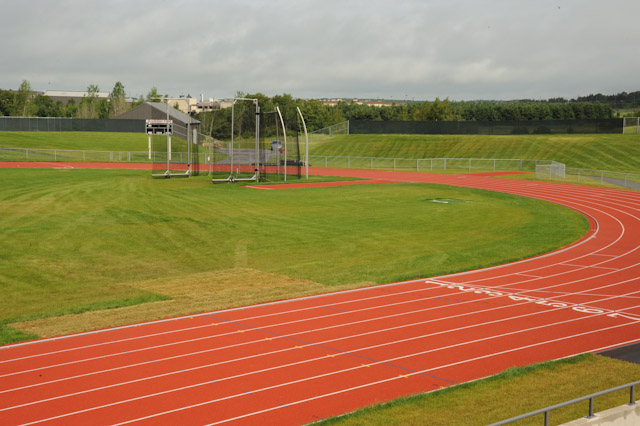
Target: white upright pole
x: 306, y: 138
x: 284, y: 134
x: 257, y: 159
x: 149, y: 147
x: 233, y: 109
x: 168, y: 150
x: 168, y: 142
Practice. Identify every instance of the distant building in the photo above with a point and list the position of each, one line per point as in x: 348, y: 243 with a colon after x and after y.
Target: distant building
x: 375, y: 103
x: 66, y: 95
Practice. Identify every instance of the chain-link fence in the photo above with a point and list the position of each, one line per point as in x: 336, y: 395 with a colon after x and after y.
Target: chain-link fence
x: 553, y: 170
x: 425, y: 164
x: 589, y: 176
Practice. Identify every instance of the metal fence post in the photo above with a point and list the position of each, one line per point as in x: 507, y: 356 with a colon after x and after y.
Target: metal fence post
x: 590, y: 416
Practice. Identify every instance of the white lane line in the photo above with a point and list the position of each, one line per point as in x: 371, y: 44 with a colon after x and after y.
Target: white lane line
x: 367, y: 384
x: 303, y: 345
x: 309, y: 319
x: 140, y: 337
x: 506, y: 319
x: 305, y: 379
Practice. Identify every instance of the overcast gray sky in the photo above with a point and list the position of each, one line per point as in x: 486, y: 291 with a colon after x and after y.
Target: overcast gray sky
x: 415, y: 49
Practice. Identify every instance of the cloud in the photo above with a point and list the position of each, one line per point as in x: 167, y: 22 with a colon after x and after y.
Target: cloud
x: 497, y: 49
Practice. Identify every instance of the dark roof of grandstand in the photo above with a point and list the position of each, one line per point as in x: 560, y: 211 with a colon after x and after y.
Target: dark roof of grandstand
x: 157, y: 111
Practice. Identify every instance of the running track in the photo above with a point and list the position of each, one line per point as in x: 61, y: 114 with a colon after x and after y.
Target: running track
x: 294, y: 362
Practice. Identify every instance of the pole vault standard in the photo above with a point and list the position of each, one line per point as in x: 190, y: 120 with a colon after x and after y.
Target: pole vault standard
x: 284, y: 134
x: 306, y: 138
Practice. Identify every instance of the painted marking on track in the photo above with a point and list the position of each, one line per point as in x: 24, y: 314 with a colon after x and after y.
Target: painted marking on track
x: 536, y: 300
x: 528, y: 275
x: 590, y: 266
x: 334, y: 309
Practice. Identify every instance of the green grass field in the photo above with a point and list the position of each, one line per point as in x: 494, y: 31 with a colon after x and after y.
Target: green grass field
x: 98, y: 141
x: 88, y: 249
x: 84, y: 240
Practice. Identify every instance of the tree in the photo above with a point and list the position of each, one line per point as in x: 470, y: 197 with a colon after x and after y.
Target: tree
x: 154, y: 96
x: 6, y: 102
x: 117, y: 100
x: 88, y: 107
x: 71, y: 109
x: 43, y: 106
x: 22, y: 103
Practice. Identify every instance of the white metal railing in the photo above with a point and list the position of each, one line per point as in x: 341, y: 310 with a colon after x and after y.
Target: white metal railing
x: 590, y: 398
x: 544, y: 168
x: 425, y: 164
x: 589, y: 176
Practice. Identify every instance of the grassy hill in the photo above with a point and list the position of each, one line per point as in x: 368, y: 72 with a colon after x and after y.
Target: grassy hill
x: 614, y: 152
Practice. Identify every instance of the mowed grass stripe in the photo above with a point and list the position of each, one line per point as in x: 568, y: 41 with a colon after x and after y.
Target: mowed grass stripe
x: 82, y: 240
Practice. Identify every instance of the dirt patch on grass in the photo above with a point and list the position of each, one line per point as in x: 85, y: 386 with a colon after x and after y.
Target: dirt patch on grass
x: 191, y: 294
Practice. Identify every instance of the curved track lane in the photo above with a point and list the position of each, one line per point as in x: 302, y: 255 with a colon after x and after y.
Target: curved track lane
x: 293, y: 362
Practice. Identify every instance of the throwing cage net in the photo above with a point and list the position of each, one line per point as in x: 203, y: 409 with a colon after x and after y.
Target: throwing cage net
x: 259, y: 148
x: 281, y: 156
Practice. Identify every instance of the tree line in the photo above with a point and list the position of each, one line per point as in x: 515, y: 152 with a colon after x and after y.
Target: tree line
x: 319, y: 114
x: 24, y: 102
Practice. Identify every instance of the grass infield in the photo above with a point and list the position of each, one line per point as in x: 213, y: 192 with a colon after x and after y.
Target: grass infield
x: 86, y: 249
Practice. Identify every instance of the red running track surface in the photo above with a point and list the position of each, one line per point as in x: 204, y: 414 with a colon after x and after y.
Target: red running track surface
x: 293, y: 362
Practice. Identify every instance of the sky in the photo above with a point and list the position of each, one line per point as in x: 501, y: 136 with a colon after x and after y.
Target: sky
x: 376, y: 49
